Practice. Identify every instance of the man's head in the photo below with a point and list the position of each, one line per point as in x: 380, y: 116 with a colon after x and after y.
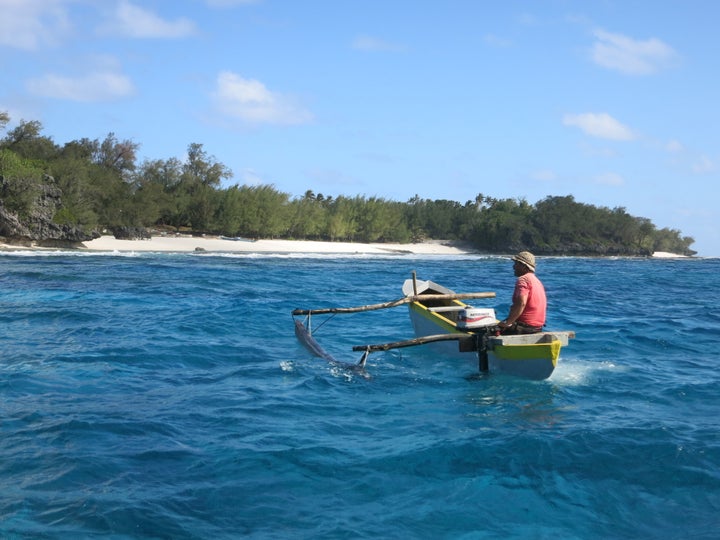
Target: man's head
x: 524, y: 262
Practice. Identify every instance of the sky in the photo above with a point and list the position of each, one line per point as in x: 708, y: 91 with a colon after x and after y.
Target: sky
x: 612, y: 102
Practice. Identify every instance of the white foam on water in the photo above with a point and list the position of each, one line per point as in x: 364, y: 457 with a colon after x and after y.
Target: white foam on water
x: 577, y: 372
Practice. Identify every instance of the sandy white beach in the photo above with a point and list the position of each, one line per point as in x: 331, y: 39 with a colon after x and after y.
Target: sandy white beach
x: 192, y: 243
x: 185, y: 243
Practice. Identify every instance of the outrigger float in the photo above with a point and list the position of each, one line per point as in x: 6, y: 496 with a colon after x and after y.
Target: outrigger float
x: 440, y: 317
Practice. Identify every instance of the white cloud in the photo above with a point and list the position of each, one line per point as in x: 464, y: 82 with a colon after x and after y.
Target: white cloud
x: 370, y: 43
x: 688, y: 159
x: 615, y: 51
x: 250, y: 101
x: 100, y: 86
x: 674, y: 147
x: 136, y: 22
x: 600, y: 125
x: 29, y: 24
x: 704, y: 165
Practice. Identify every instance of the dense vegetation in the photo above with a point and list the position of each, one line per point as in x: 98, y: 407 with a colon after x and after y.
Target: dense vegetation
x: 103, y: 187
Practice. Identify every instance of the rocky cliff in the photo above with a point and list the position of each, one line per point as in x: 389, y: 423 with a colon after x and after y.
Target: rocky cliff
x: 37, y: 228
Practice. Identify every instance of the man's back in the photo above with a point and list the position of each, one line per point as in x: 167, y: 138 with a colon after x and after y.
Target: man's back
x: 536, y: 307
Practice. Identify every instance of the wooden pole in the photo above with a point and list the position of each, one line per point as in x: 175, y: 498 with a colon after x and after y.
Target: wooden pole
x: 395, y: 303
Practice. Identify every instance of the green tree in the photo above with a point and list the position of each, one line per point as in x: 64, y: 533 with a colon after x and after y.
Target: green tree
x: 308, y: 216
x: 154, y: 184
x: 21, y: 183
x: 27, y: 142
x: 201, y: 175
x: 342, y: 219
x: 229, y: 216
x: 503, y: 224
x: 115, y: 155
x: 73, y: 171
x: 270, y: 217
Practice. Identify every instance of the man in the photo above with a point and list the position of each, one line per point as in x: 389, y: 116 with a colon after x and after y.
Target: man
x: 529, y: 304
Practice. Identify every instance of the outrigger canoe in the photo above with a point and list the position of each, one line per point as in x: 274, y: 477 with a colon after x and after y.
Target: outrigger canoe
x: 440, y: 317
x: 433, y: 311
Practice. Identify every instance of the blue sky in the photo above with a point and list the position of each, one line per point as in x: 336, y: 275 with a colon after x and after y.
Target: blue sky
x: 613, y: 102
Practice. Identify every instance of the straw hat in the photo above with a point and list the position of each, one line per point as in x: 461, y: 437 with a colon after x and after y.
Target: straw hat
x: 526, y: 258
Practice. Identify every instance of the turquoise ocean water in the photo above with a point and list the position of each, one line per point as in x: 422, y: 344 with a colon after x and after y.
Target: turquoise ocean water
x: 166, y: 396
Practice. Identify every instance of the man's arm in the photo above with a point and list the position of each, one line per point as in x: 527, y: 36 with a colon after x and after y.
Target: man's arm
x: 516, y: 310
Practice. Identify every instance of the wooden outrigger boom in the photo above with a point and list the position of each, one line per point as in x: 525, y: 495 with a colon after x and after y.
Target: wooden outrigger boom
x: 395, y: 303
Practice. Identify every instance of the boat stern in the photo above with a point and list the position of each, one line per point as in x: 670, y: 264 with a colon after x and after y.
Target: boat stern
x: 532, y: 356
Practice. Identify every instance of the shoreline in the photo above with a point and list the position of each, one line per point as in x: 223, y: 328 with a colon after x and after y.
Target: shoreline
x: 215, y: 244
x: 182, y: 244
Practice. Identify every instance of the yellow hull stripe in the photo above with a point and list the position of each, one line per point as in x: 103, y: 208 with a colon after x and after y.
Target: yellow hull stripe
x: 545, y: 351
x: 437, y: 318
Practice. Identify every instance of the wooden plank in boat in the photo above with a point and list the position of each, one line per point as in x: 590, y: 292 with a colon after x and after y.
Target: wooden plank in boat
x: 444, y: 309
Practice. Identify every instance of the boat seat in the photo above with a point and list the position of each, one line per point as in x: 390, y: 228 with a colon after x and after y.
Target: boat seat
x: 445, y: 309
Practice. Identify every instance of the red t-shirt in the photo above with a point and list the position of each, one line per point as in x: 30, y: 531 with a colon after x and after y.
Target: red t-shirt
x: 529, y: 285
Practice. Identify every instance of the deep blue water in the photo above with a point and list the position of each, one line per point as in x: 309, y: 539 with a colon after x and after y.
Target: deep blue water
x: 166, y: 396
